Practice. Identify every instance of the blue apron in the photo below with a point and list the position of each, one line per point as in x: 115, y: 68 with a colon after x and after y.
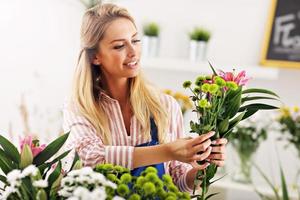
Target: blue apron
x: 154, y: 141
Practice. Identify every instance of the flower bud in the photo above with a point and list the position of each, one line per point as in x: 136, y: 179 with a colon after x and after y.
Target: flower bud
x: 26, y: 156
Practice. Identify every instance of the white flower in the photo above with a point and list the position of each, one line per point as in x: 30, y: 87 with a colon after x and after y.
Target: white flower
x: 31, y: 170
x: 8, y: 191
x: 40, y: 183
x: 14, y: 175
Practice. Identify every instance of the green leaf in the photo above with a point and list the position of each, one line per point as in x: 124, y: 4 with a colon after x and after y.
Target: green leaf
x: 49, y: 164
x: 7, y: 162
x: 223, y: 125
x: 234, y: 104
x: 3, y: 179
x: 258, y: 90
x: 211, y: 195
x: 285, y: 194
x: 53, y: 176
x: 50, y: 150
x: 233, y: 123
x: 10, y: 150
x: 258, y: 106
x: 213, y: 69
x: 4, y: 165
x: 245, y: 99
x: 249, y: 113
x: 268, y: 181
x: 76, y: 158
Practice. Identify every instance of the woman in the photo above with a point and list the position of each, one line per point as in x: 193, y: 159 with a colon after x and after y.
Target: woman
x: 116, y: 117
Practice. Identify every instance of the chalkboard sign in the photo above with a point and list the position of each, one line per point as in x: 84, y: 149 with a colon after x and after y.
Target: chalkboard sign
x: 282, y: 40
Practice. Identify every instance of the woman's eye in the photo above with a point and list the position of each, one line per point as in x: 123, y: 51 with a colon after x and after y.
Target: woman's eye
x: 119, y: 46
x: 136, y: 41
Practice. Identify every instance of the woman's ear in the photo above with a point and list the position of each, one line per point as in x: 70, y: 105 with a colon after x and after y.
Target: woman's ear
x: 96, y: 60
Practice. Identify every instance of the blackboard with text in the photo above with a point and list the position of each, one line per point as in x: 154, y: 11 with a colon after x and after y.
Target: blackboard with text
x: 282, y: 41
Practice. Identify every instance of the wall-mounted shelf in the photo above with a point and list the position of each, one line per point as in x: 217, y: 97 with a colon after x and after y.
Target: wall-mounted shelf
x: 181, y: 65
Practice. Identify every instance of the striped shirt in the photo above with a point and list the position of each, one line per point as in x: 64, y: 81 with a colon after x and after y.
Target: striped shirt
x: 90, y: 148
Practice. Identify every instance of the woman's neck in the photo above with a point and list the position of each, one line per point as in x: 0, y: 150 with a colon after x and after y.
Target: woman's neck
x: 118, y: 89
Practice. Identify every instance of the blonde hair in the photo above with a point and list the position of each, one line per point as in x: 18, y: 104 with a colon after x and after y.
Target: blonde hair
x: 145, y: 100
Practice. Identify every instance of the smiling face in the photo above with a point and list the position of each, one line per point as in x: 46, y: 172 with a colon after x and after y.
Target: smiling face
x: 119, y: 50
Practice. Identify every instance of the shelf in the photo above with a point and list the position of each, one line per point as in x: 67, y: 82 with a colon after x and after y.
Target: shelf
x: 181, y: 65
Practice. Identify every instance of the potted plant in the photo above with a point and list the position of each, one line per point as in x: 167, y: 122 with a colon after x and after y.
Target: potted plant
x: 199, y: 38
x: 151, y: 39
x: 89, y: 3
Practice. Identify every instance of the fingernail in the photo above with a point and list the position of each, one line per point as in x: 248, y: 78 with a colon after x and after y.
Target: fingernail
x: 214, y: 142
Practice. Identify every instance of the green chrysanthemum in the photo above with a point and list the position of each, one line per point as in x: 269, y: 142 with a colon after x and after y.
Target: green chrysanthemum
x: 203, y: 103
x: 213, y: 88
x: 220, y: 81
x: 232, y: 85
x: 151, y: 169
x: 126, y: 178
x: 205, y: 87
x: 149, y: 189
x: 197, y: 90
x: 135, y: 197
x: 112, y: 177
x: 167, y: 179
x: 187, y: 84
x: 152, y: 177
x: 123, y: 190
x: 140, y: 181
x: 199, y: 80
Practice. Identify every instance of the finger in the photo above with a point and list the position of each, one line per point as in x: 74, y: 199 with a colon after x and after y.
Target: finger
x: 202, y: 138
x: 220, y: 141
x: 199, y: 167
x: 201, y: 147
x: 219, y: 163
x: 217, y: 156
x: 202, y: 156
x: 218, y: 149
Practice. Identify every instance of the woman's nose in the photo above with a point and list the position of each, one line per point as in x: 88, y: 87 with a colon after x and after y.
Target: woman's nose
x: 131, y: 51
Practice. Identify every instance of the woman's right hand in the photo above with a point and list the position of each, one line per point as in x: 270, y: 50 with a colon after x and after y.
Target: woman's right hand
x: 187, y: 150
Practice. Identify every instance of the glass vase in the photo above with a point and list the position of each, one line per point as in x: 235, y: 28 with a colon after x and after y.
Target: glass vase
x: 243, y: 172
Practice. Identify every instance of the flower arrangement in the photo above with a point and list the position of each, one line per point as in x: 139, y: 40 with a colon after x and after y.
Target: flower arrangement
x: 182, y: 99
x: 289, y: 121
x: 33, y: 165
x: 221, y: 103
x: 245, y: 139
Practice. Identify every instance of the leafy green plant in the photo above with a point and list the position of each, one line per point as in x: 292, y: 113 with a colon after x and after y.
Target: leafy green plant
x: 200, y: 34
x: 151, y: 29
x: 221, y: 103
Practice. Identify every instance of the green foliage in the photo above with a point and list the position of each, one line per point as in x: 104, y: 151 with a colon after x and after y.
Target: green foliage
x: 90, y: 3
x: 200, y: 34
x: 151, y: 29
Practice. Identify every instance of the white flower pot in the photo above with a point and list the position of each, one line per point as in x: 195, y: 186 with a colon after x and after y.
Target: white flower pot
x: 150, y: 46
x: 197, y: 51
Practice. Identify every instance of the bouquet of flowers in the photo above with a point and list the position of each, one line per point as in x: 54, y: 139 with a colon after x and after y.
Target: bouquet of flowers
x: 182, y: 99
x: 30, y: 173
x: 245, y: 139
x: 221, y: 103
x: 289, y: 121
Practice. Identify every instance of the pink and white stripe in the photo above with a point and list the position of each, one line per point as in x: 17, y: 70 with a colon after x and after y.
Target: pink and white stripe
x: 89, y: 146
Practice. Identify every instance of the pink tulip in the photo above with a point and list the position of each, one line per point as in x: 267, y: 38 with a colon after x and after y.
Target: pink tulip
x: 35, y: 149
x: 240, y: 79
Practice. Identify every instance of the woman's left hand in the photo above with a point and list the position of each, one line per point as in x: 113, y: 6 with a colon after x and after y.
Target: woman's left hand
x: 218, y: 152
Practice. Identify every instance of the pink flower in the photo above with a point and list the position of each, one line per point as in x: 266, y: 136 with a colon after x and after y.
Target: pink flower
x: 240, y: 79
x: 34, y: 149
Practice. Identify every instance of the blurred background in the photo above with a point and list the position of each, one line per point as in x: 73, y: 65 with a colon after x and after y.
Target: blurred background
x: 39, y: 45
